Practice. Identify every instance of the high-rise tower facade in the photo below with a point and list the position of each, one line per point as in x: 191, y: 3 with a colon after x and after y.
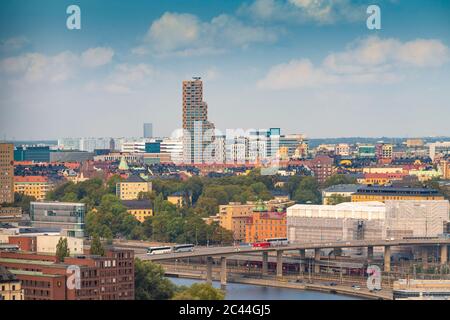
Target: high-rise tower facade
x: 197, y: 130
x: 6, y: 173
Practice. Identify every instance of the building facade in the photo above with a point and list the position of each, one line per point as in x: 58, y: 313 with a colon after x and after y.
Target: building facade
x: 197, y: 130
x: 140, y: 209
x: 6, y: 173
x: 380, y: 193
x: 265, y: 224
x: 234, y: 217
x: 33, y: 186
x: 148, y: 130
x: 367, y: 220
x: 109, y: 277
x: 66, y: 217
x: 10, y: 286
x: 10, y: 214
x: 130, y: 189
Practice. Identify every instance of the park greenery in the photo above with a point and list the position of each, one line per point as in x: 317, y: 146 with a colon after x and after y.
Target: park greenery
x: 108, y: 218
x: 151, y: 284
x: 199, y: 291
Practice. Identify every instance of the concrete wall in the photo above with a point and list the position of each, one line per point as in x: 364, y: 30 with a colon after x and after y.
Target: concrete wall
x: 47, y: 244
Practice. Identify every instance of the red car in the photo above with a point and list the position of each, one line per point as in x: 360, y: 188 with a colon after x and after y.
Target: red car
x: 260, y: 244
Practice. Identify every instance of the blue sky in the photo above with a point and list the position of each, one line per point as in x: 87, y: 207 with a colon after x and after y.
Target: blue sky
x: 307, y: 66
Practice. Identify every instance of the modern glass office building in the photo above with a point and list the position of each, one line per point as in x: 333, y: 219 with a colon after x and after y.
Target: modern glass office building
x: 66, y: 217
x: 34, y: 153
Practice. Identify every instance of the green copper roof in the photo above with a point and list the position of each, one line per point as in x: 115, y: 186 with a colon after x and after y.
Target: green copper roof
x: 260, y: 206
x: 123, y: 165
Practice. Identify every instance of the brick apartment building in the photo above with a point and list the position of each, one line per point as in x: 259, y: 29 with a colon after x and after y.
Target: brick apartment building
x: 110, y: 277
x: 264, y: 224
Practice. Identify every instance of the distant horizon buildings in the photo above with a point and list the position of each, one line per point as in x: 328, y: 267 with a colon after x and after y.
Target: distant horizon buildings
x: 148, y: 130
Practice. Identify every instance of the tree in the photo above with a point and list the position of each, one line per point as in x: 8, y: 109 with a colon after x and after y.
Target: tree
x: 112, y: 183
x: 23, y: 201
x: 335, y: 199
x: 307, y: 191
x: 97, y: 247
x: 207, y: 206
x: 339, y: 179
x: 150, y: 283
x: 62, y: 249
x: 200, y: 291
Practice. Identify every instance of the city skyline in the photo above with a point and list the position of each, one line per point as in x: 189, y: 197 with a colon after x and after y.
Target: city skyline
x: 257, y: 74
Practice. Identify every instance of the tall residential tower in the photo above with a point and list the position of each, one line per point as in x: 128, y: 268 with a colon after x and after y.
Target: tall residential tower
x: 197, y: 130
x: 6, y: 173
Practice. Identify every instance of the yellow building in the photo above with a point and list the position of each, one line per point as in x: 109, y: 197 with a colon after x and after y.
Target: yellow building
x: 384, y: 170
x: 283, y: 153
x: 33, y: 186
x: 130, y: 189
x: 445, y: 169
x: 10, y: 286
x: 177, y: 199
x: 140, y: 209
x: 234, y: 216
x: 380, y: 178
x: 387, y: 151
x: 381, y: 194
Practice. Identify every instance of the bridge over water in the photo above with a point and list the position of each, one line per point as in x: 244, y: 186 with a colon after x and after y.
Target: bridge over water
x: 223, y: 252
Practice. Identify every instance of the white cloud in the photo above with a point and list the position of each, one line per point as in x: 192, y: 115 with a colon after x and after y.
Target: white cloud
x: 186, y: 35
x: 296, y: 73
x: 96, y: 57
x: 57, y: 68
x: 376, y: 52
x: 304, y: 11
x: 173, y: 31
x: 124, y: 79
x: 13, y: 44
x: 371, y: 60
x: 36, y: 66
x: 212, y: 74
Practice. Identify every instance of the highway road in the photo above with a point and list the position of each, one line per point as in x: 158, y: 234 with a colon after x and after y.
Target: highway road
x: 233, y: 250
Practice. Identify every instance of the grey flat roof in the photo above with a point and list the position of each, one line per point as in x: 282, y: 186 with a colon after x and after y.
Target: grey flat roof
x: 343, y: 188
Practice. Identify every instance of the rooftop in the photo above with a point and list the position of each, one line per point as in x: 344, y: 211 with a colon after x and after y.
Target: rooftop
x: 135, y: 178
x: 137, y: 204
x: 25, y: 261
x: 396, y: 190
x: 6, y: 276
x: 35, y: 179
x: 360, y: 206
x: 343, y: 188
x: 33, y: 273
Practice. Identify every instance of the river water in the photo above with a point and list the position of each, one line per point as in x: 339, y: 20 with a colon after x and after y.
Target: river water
x: 237, y: 291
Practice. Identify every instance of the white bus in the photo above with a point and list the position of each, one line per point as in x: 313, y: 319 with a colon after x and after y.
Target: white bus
x: 183, y: 248
x: 159, y: 250
x: 276, y: 242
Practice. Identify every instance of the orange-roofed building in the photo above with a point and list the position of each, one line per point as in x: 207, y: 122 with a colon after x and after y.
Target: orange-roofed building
x: 23, y: 163
x: 380, y: 178
x: 264, y: 225
x: 33, y: 186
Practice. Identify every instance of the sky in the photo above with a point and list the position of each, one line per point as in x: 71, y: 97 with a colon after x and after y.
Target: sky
x: 305, y: 66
